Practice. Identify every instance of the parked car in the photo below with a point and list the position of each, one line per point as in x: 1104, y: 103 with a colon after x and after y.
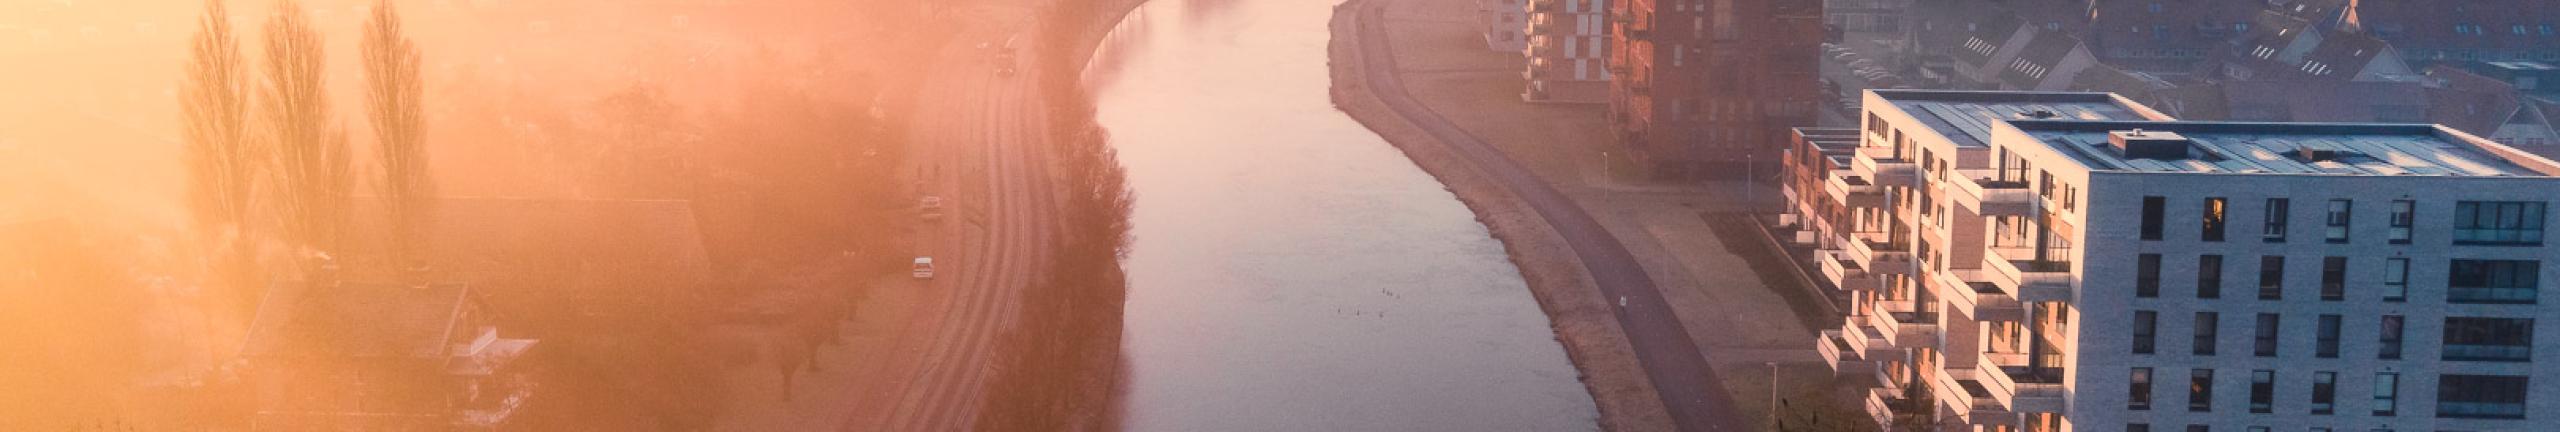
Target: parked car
x: 923, y: 268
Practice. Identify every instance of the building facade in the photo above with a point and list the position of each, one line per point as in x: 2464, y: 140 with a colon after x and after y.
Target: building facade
x: 1568, y: 46
x: 1699, y: 85
x: 2077, y: 261
x: 1506, y: 24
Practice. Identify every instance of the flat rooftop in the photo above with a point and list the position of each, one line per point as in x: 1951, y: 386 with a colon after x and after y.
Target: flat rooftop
x: 1966, y: 116
x: 2360, y: 149
x: 1829, y: 139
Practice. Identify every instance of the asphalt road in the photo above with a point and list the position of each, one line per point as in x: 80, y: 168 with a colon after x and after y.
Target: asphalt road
x: 981, y: 133
x: 1688, y: 387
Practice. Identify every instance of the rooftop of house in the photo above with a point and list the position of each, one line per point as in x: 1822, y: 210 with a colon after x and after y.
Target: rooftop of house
x: 1966, y: 116
x: 2350, y: 149
x: 2044, y: 52
x: 369, y: 320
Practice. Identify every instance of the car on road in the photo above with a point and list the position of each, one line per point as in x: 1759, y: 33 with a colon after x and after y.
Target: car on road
x: 923, y: 268
x: 930, y: 207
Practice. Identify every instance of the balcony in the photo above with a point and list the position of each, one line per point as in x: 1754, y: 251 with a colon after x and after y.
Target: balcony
x: 1845, y: 359
x: 1843, y: 274
x: 1879, y: 164
x: 1903, y: 323
x: 1853, y: 191
x: 1880, y: 410
x: 1976, y: 190
x: 2033, y: 392
x: 1870, y: 342
x: 1876, y: 253
x: 2032, y: 281
x: 1984, y: 301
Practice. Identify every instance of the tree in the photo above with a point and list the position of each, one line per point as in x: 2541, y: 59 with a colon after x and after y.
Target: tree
x: 311, y: 153
x: 392, y: 92
x: 221, y: 165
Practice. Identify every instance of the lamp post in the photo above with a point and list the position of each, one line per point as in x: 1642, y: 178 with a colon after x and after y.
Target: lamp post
x: 1773, y: 395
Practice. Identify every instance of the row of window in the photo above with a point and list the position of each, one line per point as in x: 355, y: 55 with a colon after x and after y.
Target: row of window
x: 2457, y: 396
x: 2467, y: 281
x: 2476, y: 223
x: 2465, y: 338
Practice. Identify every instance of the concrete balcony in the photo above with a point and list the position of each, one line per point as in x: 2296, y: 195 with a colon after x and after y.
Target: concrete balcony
x: 1966, y: 291
x: 1845, y: 359
x: 2031, y: 281
x: 1975, y: 190
x: 1879, y: 164
x: 2031, y: 392
x: 1870, y: 342
x: 1853, y: 191
x: 1876, y: 253
x: 1846, y: 275
x: 1903, y: 324
x: 1879, y: 409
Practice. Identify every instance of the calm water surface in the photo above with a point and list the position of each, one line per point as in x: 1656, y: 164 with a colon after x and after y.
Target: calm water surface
x: 1292, y: 271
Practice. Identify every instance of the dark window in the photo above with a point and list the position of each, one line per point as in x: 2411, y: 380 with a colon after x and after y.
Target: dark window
x: 2391, y: 326
x: 2213, y: 218
x: 2488, y: 339
x: 2146, y: 325
x: 2200, y: 390
x: 2328, y: 346
x: 2199, y: 428
x: 2480, y: 396
x: 2341, y: 214
x: 2324, y: 393
x: 2493, y: 281
x: 2267, y: 328
x: 2146, y: 279
x: 2140, y: 399
x: 2262, y: 392
x: 2207, y: 328
x: 2271, y: 277
x: 2152, y: 209
x: 2137, y: 427
x: 2386, y: 394
x: 2333, y: 278
x: 2497, y: 223
x: 2209, y: 276
x: 2278, y: 211
x: 2403, y: 215
x: 2395, y: 280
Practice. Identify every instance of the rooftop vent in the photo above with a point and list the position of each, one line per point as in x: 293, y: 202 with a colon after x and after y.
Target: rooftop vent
x: 2039, y: 113
x: 2140, y: 144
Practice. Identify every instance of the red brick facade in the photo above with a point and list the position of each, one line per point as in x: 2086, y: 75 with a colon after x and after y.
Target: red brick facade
x: 1708, y: 84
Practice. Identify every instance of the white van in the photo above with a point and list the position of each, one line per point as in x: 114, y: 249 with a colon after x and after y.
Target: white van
x: 923, y: 268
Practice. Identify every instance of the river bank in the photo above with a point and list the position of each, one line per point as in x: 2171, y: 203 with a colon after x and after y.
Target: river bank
x: 1578, y: 312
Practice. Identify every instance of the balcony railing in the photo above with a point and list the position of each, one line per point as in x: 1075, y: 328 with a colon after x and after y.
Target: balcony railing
x: 1875, y: 252
x: 2032, y: 281
x: 2497, y: 353
x: 1976, y: 189
x: 2037, y: 391
x: 1905, y: 323
x: 1853, y: 191
x: 1844, y: 274
x: 1879, y: 411
x: 1984, y: 301
x: 1884, y: 169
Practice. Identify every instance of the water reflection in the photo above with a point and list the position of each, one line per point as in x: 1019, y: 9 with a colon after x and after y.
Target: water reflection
x: 1291, y: 271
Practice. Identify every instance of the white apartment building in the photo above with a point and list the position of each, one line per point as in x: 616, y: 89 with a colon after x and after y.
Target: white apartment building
x: 2079, y: 262
x: 1506, y: 24
x: 1567, y: 51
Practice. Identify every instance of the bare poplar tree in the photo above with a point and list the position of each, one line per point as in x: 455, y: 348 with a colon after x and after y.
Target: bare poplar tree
x: 392, y: 92
x: 221, y: 166
x: 311, y: 153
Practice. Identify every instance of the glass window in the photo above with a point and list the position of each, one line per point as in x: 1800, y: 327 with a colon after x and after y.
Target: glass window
x: 2267, y: 328
x: 2341, y: 214
x: 2278, y: 211
x: 2140, y: 398
x: 2328, y: 346
x: 2207, y: 330
x: 2497, y: 223
x: 2213, y: 218
x: 2403, y: 216
x: 2333, y: 278
x: 2146, y: 326
x: 2324, y: 393
x: 2493, y: 281
x: 2480, y: 396
x: 2209, y: 276
x: 2488, y: 339
x: 2386, y: 394
x: 2146, y: 279
x: 2152, y: 211
x: 2395, y: 280
x: 2391, y: 326
x: 2271, y: 277
x: 2200, y: 390
x: 2262, y: 391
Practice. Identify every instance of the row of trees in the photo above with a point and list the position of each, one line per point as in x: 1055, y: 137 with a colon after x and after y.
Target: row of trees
x: 290, y: 164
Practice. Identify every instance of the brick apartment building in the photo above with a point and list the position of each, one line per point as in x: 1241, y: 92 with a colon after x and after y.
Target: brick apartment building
x: 1703, y: 85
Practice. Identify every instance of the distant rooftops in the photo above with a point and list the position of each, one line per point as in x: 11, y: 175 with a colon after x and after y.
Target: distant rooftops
x: 1965, y: 117
x: 2367, y: 149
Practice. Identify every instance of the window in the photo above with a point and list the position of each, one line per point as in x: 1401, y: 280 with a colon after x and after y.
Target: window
x: 2207, y: 324
x: 2493, y: 281
x: 2395, y: 280
x: 2199, y: 428
x: 2386, y: 394
x: 2488, y: 339
x: 2140, y: 398
x: 2324, y: 393
x: 2278, y: 210
x: 2152, y: 209
x: 2341, y: 212
x: 2403, y: 215
x: 2390, y: 349
x: 2146, y: 279
x: 2497, y: 223
x: 2262, y: 392
x: 2200, y: 390
x: 2267, y: 324
x: 2271, y: 277
x: 2333, y: 278
x: 2480, y: 396
x: 2213, y: 209
x: 2146, y: 326
x: 2328, y: 346
x: 2209, y: 276
x: 2137, y: 427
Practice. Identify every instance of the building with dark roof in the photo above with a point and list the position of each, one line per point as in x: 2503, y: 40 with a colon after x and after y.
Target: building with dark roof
x: 380, y: 356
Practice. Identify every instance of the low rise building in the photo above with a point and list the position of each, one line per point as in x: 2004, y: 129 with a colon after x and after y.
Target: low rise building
x: 1506, y: 24
x: 1568, y: 52
x: 380, y: 356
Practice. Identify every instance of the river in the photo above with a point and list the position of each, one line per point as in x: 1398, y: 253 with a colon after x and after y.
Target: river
x: 1291, y: 270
